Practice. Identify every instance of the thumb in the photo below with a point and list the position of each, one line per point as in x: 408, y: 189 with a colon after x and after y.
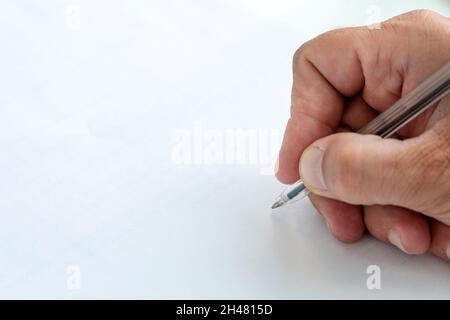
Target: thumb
x: 366, y: 169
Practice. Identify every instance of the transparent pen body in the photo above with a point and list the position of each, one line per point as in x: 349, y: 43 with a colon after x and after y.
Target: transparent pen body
x: 295, y: 191
x: 411, y: 105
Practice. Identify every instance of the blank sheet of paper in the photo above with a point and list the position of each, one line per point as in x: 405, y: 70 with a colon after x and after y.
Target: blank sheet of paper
x: 129, y: 167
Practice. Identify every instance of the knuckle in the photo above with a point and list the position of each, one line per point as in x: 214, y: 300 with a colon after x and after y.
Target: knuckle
x: 300, y: 53
x: 309, y: 46
x: 423, y: 21
x: 428, y: 23
x: 418, y: 15
x: 421, y: 14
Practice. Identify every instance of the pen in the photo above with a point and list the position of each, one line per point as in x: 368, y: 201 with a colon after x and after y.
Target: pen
x: 387, y: 123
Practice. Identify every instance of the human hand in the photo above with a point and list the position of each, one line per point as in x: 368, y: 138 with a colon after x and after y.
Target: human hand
x: 399, y: 189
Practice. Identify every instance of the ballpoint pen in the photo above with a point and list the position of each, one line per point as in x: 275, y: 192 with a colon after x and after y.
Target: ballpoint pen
x: 387, y: 123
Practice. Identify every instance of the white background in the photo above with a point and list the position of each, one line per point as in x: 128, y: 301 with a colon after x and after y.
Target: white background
x: 91, y: 95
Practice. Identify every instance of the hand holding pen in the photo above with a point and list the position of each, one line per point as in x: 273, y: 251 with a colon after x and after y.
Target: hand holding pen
x: 398, y: 189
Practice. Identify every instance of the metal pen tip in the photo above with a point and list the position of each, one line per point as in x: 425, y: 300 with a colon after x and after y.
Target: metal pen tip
x: 278, y: 204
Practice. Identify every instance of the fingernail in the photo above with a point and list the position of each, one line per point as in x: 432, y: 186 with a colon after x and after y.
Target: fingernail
x: 394, y: 238
x: 311, y: 168
x: 448, y: 251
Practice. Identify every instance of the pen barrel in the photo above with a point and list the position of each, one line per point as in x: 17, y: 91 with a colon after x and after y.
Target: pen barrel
x: 295, y: 190
x: 411, y: 105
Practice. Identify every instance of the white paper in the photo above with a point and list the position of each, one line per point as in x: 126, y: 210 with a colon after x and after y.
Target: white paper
x: 95, y: 203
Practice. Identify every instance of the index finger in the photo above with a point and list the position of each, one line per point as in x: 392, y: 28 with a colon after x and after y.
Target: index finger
x: 325, y: 70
